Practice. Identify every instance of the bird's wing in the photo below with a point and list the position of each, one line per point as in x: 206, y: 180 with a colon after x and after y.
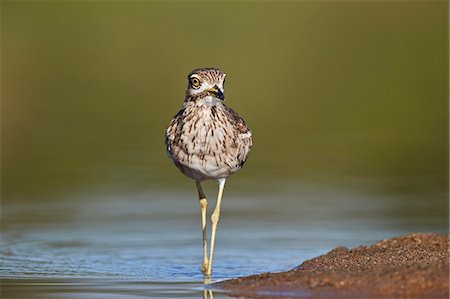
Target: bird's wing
x: 244, y: 132
x: 171, y: 132
x: 244, y: 135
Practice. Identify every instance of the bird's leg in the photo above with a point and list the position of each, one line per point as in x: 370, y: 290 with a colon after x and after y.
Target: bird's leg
x: 214, y: 220
x: 203, y: 204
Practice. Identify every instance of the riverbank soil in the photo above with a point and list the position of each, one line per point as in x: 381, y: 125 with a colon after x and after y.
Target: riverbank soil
x: 415, y: 265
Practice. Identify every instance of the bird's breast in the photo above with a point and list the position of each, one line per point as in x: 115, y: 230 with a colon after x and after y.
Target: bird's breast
x: 208, y: 143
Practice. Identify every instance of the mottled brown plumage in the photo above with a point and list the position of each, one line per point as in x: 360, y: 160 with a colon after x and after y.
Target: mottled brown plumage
x: 207, y: 140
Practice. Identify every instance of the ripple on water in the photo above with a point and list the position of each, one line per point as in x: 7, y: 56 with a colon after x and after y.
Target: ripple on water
x: 140, y: 245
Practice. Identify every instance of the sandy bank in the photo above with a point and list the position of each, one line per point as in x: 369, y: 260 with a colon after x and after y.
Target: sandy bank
x: 415, y: 265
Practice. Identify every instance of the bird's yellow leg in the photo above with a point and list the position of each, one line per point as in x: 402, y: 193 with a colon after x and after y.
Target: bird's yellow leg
x: 203, y: 204
x: 214, y: 220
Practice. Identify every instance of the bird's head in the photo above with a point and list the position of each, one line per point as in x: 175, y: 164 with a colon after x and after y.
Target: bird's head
x: 206, y: 82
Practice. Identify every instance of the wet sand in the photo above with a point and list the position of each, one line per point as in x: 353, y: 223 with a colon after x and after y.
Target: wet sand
x: 415, y: 265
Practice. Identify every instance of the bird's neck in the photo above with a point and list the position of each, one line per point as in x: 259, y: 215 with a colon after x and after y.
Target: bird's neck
x: 205, y: 100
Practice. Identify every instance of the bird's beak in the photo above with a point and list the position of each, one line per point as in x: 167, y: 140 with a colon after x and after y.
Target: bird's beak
x: 215, y: 91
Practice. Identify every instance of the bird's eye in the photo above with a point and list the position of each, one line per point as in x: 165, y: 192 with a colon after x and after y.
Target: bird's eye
x: 195, y: 82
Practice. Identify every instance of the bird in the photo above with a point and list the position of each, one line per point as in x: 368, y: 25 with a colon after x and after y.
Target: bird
x: 207, y: 140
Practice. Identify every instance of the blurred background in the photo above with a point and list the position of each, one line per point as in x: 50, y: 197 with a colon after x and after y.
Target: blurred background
x: 332, y: 91
x: 348, y: 103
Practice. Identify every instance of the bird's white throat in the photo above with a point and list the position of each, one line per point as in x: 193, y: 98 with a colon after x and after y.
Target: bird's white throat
x: 210, y: 100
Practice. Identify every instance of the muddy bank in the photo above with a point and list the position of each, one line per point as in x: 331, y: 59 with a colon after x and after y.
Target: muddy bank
x: 415, y: 265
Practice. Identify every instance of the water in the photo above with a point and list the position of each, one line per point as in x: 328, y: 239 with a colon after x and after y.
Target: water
x: 347, y: 100
x: 149, y: 244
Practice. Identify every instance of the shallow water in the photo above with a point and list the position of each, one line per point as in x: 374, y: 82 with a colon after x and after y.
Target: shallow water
x: 347, y: 100
x: 149, y: 244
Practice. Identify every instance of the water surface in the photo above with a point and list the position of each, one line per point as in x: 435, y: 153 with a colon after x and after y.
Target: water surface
x: 149, y: 244
x: 348, y: 103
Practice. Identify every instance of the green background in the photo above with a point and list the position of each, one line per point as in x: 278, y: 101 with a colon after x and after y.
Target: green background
x: 337, y: 93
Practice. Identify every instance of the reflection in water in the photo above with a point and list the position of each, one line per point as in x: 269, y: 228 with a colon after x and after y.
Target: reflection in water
x: 351, y: 138
x: 77, y: 289
x: 140, y: 245
x: 207, y: 292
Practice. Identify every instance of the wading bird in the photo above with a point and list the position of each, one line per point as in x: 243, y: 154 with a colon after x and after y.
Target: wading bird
x: 207, y: 141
